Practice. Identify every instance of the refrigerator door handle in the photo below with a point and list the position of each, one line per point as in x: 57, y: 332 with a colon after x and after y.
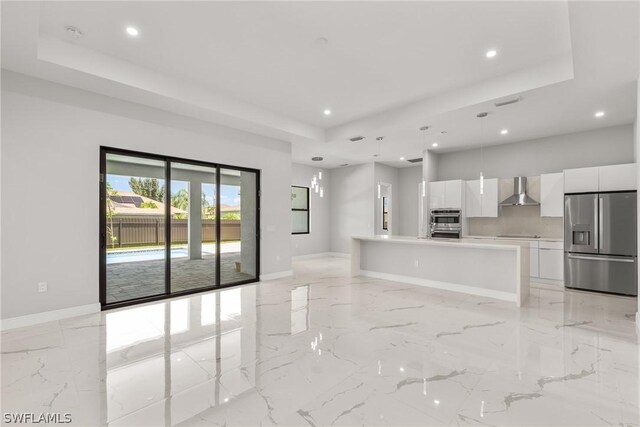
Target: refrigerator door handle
x: 593, y: 258
x: 600, y: 222
x: 596, y: 237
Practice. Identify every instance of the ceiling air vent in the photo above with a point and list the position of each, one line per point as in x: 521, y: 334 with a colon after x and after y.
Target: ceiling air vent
x: 507, y: 102
x: 356, y: 138
x: 418, y: 160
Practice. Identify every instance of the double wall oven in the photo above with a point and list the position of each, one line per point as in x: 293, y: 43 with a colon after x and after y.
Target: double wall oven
x: 446, y: 223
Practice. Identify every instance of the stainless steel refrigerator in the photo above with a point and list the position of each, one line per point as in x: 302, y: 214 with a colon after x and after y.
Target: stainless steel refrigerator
x: 600, y: 242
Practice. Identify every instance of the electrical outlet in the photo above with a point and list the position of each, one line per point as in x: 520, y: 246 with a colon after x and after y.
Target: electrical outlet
x: 416, y: 263
x: 42, y: 287
x: 277, y: 257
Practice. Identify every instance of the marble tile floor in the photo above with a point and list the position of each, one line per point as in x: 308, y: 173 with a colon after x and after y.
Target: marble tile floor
x: 322, y: 348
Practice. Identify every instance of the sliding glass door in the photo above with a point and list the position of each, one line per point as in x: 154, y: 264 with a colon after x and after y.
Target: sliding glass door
x: 193, y: 226
x: 174, y: 226
x: 133, y: 235
x: 238, y: 221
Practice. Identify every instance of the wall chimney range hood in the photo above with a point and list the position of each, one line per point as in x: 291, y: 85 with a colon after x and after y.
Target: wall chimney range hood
x: 519, y: 197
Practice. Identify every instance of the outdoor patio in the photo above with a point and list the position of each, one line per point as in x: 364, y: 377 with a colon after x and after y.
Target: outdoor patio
x: 130, y: 280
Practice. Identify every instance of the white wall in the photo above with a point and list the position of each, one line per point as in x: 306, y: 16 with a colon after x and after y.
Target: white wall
x: 607, y: 146
x: 318, y: 239
x: 388, y: 175
x: 51, y: 136
x: 430, y: 167
x: 409, y: 181
x: 636, y: 136
x: 352, y: 194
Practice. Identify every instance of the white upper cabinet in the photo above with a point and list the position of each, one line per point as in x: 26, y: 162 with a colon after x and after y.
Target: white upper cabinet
x: 552, y: 194
x: 446, y: 194
x: 618, y: 177
x: 436, y: 194
x: 581, y: 180
x: 453, y: 194
x: 473, y: 199
x: 481, y: 205
x: 603, y: 178
x: 490, y: 198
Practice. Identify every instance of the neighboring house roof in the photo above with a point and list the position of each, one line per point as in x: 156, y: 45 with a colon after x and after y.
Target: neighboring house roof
x: 227, y: 208
x: 128, y: 203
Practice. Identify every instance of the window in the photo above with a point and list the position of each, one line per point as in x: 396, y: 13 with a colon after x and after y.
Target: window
x: 299, y: 210
x: 173, y: 226
x: 385, y: 213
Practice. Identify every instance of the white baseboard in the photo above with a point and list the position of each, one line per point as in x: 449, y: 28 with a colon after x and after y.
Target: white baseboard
x: 454, y: 287
x: 339, y: 254
x: 48, y: 316
x: 559, y: 283
x: 311, y: 256
x: 321, y: 255
x: 277, y: 275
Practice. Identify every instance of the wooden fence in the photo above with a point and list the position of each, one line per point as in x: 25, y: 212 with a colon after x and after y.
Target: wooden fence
x: 142, y: 231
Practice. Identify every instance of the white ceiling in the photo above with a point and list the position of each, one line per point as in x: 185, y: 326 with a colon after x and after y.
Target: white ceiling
x: 387, y: 68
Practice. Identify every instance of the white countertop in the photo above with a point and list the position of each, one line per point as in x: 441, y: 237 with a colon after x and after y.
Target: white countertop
x: 464, y: 242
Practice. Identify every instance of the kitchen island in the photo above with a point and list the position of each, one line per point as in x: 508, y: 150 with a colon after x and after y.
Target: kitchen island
x: 495, y: 269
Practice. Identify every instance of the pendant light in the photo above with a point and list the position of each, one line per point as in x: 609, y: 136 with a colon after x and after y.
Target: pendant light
x: 481, y: 116
x: 316, y: 184
x: 379, y: 139
x: 424, y: 130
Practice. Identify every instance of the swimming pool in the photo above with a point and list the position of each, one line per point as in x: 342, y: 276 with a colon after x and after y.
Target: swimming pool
x: 136, y: 255
x: 154, y: 254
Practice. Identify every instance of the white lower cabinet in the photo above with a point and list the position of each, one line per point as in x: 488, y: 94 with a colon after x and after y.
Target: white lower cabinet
x: 551, y: 261
x: 533, y: 260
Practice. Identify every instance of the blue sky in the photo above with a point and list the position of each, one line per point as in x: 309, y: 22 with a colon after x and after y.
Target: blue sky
x: 229, y: 194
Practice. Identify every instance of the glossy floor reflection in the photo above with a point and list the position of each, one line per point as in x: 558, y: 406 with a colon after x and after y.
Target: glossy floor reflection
x: 324, y: 349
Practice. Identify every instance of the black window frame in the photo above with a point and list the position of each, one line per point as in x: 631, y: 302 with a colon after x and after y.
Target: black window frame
x: 385, y: 214
x: 168, y: 160
x: 308, y: 210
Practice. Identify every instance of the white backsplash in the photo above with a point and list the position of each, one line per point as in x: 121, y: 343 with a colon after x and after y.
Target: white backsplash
x: 518, y: 220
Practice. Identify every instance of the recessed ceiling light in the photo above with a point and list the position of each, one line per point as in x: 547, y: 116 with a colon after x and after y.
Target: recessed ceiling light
x: 599, y: 114
x: 435, y: 144
x: 327, y: 112
x: 504, y: 131
x: 491, y: 53
x: 132, y: 31
x: 401, y: 158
